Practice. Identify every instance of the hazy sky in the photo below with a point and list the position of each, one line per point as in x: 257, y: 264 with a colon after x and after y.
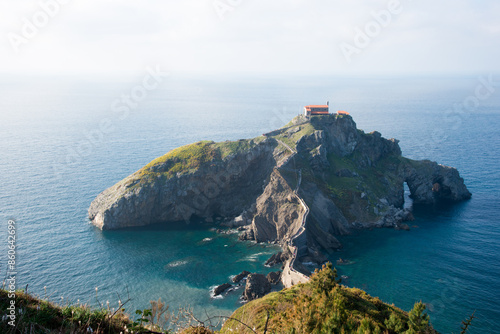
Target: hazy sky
x: 334, y: 36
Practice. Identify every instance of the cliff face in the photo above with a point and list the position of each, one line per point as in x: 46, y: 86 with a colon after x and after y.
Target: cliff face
x: 211, y: 181
x: 279, y: 212
x: 356, y: 179
x: 347, y: 178
x: 430, y: 182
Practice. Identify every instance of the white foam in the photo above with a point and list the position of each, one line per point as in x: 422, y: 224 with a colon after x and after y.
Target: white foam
x: 212, y: 290
x: 177, y: 263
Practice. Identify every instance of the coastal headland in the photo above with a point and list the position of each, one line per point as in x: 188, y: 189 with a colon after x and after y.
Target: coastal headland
x: 299, y: 186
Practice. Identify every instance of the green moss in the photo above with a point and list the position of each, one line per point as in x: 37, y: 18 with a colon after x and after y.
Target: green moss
x: 342, y: 189
x: 181, y: 158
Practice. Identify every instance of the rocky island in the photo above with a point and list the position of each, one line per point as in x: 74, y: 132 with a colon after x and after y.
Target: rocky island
x: 299, y: 186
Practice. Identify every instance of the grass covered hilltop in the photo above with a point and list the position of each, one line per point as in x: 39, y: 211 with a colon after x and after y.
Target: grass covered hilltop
x: 320, y: 306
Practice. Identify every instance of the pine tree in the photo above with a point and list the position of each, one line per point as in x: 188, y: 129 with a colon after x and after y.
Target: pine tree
x: 418, y: 321
x: 467, y: 323
x: 325, y: 280
x: 394, y: 323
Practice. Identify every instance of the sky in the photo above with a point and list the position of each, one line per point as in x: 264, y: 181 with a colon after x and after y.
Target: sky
x: 243, y: 36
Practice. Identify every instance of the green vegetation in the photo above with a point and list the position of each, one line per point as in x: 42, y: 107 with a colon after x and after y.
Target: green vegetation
x: 353, y: 188
x: 189, y: 158
x: 324, y: 306
x: 231, y: 147
x: 342, y: 188
x: 138, y: 325
x: 290, y: 137
x: 467, y: 323
x: 184, y: 158
x: 320, y: 306
x: 34, y: 315
x: 345, y: 181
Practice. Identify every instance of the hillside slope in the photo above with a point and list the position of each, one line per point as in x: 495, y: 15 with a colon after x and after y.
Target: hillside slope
x: 324, y: 306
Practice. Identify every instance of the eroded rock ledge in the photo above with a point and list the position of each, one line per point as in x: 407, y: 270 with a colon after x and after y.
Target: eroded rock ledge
x: 349, y: 179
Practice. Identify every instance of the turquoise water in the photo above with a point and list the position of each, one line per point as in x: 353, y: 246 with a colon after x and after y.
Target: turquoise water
x: 54, y: 163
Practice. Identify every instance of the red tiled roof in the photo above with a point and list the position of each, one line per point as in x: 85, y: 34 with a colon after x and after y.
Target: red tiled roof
x: 317, y: 106
x: 342, y: 112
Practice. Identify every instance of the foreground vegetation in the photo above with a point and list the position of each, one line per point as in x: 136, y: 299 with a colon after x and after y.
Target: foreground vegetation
x: 35, y: 315
x: 320, y: 306
x: 324, y: 306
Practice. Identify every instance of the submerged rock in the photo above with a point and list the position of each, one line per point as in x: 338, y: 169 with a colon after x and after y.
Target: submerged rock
x: 403, y: 227
x: 240, y: 276
x: 221, y: 288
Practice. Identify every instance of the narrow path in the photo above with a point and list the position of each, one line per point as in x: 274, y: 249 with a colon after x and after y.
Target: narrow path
x: 290, y: 275
x: 281, y: 130
x: 284, y: 161
x: 299, y: 277
x: 288, y: 147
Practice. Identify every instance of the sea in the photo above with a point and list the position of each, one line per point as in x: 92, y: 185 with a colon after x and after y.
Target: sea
x: 63, y: 140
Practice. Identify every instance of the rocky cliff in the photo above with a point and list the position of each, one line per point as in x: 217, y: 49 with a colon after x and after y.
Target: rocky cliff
x: 348, y: 178
x: 204, y: 179
x: 279, y: 212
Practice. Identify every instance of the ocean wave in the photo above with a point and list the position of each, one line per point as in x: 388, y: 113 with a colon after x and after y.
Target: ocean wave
x: 178, y: 263
x: 221, y: 296
x: 251, y: 258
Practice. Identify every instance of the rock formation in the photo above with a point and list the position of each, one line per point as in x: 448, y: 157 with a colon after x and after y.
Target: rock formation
x: 240, y: 276
x: 257, y: 286
x: 274, y: 277
x: 279, y: 212
x: 276, y: 259
x: 204, y: 179
x: 221, y: 288
x: 345, y: 178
